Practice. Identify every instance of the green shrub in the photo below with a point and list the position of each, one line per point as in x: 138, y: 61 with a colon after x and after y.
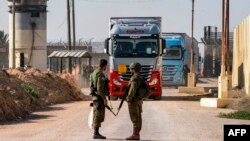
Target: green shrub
x: 236, y: 115
x: 31, y: 92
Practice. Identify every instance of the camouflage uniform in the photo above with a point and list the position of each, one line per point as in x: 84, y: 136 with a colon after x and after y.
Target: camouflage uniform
x: 134, y: 102
x: 97, y: 79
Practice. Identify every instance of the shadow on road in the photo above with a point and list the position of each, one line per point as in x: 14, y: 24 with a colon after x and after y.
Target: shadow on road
x: 207, y: 80
x: 125, y: 140
x: 201, y: 81
x: 184, y: 98
x: 32, y: 118
x: 48, y: 108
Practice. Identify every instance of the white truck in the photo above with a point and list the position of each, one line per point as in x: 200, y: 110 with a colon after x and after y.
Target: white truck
x: 135, y: 39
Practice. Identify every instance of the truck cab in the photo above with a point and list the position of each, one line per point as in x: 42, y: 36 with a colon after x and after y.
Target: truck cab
x: 135, y: 39
x: 173, y: 60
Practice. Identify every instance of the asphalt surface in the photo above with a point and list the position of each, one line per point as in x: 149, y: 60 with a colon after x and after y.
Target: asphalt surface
x: 178, y: 117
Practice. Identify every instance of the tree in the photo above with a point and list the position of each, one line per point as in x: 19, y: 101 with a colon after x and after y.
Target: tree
x: 4, y: 39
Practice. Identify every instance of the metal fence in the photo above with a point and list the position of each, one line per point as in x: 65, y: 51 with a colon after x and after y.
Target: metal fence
x: 212, y: 51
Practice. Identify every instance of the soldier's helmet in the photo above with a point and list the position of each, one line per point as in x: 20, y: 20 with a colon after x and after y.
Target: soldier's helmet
x: 136, y: 66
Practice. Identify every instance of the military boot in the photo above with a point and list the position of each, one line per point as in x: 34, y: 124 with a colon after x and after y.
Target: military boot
x: 135, y: 135
x: 97, y: 135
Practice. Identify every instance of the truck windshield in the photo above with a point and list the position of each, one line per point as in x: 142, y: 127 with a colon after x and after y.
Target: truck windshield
x: 135, y: 48
x: 174, y: 53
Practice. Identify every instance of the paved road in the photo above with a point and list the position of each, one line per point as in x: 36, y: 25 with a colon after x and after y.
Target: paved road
x: 174, y: 118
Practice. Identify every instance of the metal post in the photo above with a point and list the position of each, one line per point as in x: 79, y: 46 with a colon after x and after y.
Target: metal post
x: 69, y: 25
x: 227, y: 39
x: 14, y: 33
x: 192, y: 41
x: 223, y: 40
x: 80, y: 76
x: 73, y: 24
x: 50, y: 64
x: 75, y: 66
x: 69, y: 36
x: 61, y: 65
x: 57, y: 65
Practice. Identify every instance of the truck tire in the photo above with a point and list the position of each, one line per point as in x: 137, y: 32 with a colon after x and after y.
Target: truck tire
x: 158, y: 97
x: 113, y: 97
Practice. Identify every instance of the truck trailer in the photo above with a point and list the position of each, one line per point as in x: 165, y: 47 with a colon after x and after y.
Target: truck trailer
x: 135, y: 39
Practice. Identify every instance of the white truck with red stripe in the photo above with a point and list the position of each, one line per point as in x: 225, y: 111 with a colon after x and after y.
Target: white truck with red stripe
x: 135, y: 39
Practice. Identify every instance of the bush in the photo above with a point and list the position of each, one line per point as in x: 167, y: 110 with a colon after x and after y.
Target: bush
x: 236, y: 115
x: 31, y: 92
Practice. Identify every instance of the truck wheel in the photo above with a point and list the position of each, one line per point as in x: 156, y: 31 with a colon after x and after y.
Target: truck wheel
x: 158, y: 97
x: 113, y: 97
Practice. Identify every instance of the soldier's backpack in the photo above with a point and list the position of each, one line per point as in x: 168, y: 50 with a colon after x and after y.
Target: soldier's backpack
x: 144, y: 89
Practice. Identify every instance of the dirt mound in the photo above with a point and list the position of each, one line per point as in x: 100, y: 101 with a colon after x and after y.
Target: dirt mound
x: 52, y: 88
x: 242, y: 104
x: 21, y: 91
x: 14, y: 102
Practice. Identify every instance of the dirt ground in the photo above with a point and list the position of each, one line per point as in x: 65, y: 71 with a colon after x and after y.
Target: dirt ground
x: 16, y: 103
x: 177, y: 117
x: 174, y: 118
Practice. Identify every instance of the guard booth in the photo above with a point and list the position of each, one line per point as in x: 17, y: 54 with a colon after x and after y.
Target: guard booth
x: 81, y: 64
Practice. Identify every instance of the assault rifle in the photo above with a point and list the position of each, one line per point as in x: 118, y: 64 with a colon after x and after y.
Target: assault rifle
x: 124, y: 96
x: 106, y: 92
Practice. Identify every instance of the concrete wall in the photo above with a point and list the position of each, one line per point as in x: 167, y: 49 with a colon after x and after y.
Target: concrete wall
x: 241, y: 56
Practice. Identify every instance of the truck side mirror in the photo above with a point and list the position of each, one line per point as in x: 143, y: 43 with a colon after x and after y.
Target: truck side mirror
x: 106, y: 48
x: 163, y: 43
x: 163, y: 46
x: 164, y: 50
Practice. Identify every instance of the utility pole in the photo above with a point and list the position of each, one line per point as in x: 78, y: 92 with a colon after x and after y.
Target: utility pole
x: 14, y: 34
x: 69, y: 36
x: 227, y: 41
x: 192, y: 42
x: 73, y: 24
x: 191, y: 74
x: 224, y: 81
x: 223, y: 55
x: 191, y: 85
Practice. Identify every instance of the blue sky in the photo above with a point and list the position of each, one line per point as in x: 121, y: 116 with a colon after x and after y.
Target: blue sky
x: 92, y: 16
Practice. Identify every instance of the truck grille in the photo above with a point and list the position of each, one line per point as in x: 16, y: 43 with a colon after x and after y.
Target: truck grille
x: 145, y: 72
x: 169, y: 71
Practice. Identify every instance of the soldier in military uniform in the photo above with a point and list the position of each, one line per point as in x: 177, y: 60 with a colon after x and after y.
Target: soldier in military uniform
x: 99, y: 98
x: 134, y: 101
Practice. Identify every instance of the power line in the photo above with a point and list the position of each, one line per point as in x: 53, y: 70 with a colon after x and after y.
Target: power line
x: 61, y: 24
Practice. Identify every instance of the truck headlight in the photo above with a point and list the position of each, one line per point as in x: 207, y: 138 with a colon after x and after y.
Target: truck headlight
x: 116, y: 82
x: 153, y: 82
